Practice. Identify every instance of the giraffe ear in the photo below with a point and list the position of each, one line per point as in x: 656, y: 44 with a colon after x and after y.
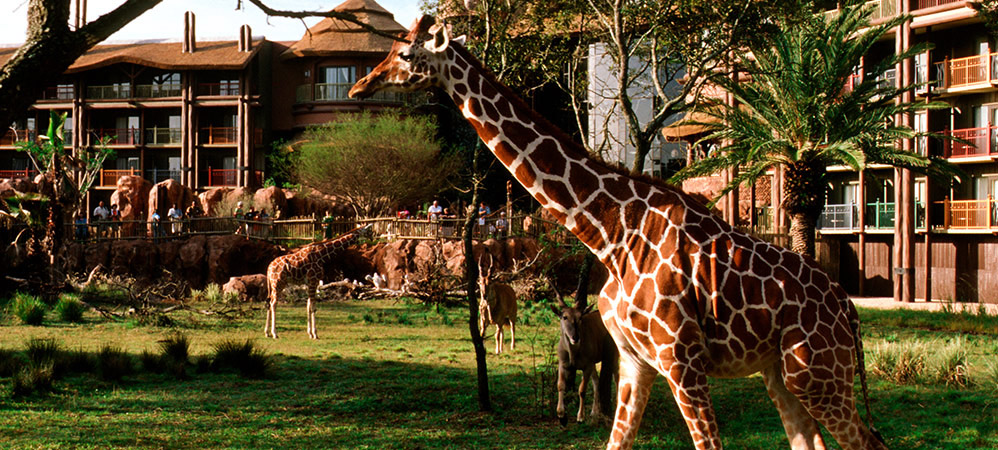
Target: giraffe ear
x: 440, y: 38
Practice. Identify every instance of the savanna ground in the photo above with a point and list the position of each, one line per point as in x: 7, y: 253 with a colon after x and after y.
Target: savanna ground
x: 389, y: 374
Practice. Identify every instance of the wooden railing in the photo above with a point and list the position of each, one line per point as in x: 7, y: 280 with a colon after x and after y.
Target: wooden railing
x: 979, y: 142
x: 109, y: 177
x: 969, y: 214
x: 13, y: 136
x: 61, y: 92
x: 221, y: 177
x: 967, y: 71
x: 219, y: 135
x: 26, y: 173
x: 162, y: 136
x: 922, y: 4
x: 118, y: 136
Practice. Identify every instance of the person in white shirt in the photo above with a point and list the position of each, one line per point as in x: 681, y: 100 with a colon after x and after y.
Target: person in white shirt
x: 101, y: 213
x: 174, y: 216
x: 435, y: 210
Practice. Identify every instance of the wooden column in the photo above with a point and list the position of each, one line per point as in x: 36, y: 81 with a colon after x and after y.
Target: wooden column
x: 861, y: 252
x: 242, y: 168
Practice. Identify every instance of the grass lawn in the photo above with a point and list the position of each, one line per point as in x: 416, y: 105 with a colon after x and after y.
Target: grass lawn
x: 391, y: 375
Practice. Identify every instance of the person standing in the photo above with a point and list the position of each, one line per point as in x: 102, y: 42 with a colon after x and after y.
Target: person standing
x: 115, y: 221
x: 327, y: 225
x: 435, y: 211
x: 100, y: 216
x: 174, y: 215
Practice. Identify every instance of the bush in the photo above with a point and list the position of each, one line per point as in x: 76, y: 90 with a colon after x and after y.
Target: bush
x: 11, y: 361
x: 113, y: 363
x: 77, y: 361
x: 29, y: 308
x: 175, y: 355
x: 104, y: 293
x: 212, y: 293
x: 42, y: 351
x: 70, y: 308
x: 952, y: 369
x: 241, y: 357
x: 902, y: 364
x: 33, y: 378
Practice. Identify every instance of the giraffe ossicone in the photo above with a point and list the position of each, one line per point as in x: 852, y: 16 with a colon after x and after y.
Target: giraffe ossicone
x: 305, y: 265
x: 688, y: 296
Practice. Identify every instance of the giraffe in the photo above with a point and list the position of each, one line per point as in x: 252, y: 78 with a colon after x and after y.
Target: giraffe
x: 688, y: 296
x: 304, y: 265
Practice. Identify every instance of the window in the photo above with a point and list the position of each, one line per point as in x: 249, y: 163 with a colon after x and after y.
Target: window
x: 334, y: 82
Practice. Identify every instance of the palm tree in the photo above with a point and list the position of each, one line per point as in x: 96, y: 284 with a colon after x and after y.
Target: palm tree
x: 793, y: 111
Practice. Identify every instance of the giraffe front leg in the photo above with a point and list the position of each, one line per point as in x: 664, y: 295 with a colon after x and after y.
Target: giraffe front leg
x: 633, y: 389
x: 272, y: 318
x: 688, y: 382
x: 801, y: 428
x: 512, y: 334
x: 310, y: 310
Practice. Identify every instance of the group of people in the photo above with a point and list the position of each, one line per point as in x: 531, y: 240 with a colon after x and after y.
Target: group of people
x: 496, y: 226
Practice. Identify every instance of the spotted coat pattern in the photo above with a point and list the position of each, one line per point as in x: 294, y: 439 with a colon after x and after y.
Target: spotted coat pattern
x: 305, y: 265
x: 688, y: 296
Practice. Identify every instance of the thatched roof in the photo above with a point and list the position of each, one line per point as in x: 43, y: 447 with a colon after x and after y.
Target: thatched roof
x: 219, y: 55
x: 332, y: 37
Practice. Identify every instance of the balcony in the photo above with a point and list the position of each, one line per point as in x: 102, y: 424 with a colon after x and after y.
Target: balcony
x: 970, y: 215
x: 227, y: 177
x: 13, y: 136
x: 839, y: 217
x: 118, y: 136
x: 157, y: 175
x: 325, y: 92
x: 981, y: 142
x: 157, y: 90
x: 109, y: 177
x: 923, y: 4
x: 219, y: 89
x: 882, y: 9
x: 25, y: 173
x: 162, y: 136
x: 879, y: 215
x: 61, y: 92
x: 219, y: 135
x: 969, y: 72
x: 112, y: 92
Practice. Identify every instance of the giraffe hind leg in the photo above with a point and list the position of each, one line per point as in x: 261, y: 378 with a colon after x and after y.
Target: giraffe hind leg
x: 801, y: 428
x: 310, y: 309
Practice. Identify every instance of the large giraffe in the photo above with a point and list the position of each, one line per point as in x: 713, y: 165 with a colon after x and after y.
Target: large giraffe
x: 688, y: 296
x: 305, y: 265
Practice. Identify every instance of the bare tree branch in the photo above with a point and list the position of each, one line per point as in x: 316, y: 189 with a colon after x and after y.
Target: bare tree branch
x: 331, y: 14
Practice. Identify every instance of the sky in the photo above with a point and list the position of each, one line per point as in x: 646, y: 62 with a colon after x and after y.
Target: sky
x: 214, y: 18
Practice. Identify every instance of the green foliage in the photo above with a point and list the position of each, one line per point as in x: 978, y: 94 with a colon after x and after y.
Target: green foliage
x: 52, y: 157
x: 212, y: 293
x: 175, y: 355
x: 241, y: 357
x: 102, y: 293
x: 281, y: 162
x: 33, y: 378
x: 29, y: 308
x: 42, y: 351
x: 70, y: 308
x: 952, y: 369
x: 375, y: 162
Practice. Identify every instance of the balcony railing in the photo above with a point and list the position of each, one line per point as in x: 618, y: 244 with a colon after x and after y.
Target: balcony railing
x: 879, y: 215
x: 162, y: 136
x: 883, y: 9
x: 839, y: 217
x: 218, y: 89
x: 25, y: 173
x: 12, y: 137
x: 219, y: 135
x: 967, y: 71
x: 969, y: 214
x: 112, y: 92
x: 62, y: 92
x: 157, y: 90
x: 109, y: 177
x: 118, y: 136
x: 887, y: 80
x: 227, y: 177
x: 321, y: 92
x: 981, y: 142
x: 157, y: 175
x: 922, y: 4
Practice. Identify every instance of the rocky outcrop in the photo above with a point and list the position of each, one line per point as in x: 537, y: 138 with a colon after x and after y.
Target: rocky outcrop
x: 211, y: 198
x: 270, y: 199
x: 247, y: 287
x: 168, y: 193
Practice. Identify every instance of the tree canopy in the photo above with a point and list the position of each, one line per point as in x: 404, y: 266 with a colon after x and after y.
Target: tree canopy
x: 376, y: 163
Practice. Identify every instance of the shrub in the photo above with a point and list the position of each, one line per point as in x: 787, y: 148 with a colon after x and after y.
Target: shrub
x: 150, y: 361
x: 113, y: 363
x: 42, y: 351
x: 991, y: 372
x: 241, y: 357
x: 11, y: 361
x: 175, y: 355
x: 70, y: 308
x: 33, y: 378
x: 952, y: 368
x: 29, y: 308
x: 212, y: 293
x: 104, y: 293
x: 902, y: 364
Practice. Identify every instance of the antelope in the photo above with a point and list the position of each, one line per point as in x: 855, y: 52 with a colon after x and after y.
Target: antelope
x: 496, y: 305
x: 584, y: 342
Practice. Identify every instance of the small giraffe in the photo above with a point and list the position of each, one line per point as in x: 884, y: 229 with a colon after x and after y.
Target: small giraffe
x: 688, y: 296
x: 304, y: 265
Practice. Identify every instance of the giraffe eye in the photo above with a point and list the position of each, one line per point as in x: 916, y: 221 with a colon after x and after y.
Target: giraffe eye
x: 406, y: 56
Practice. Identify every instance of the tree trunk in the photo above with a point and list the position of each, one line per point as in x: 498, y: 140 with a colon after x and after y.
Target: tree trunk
x: 803, y: 199
x: 582, y: 290
x: 471, y: 283
x: 802, y: 229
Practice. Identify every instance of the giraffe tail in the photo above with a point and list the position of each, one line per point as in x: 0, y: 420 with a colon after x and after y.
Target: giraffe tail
x: 861, y: 368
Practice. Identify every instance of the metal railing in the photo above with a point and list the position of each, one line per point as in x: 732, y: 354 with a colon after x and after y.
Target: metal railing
x: 879, y: 215
x: 61, y: 92
x: 109, y: 177
x: 157, y: 175
x: 319, y: 92
x: 118, y: 136
x: 839, y: 217
x: 219, y: 89
x: 157, y: 90
x: 110, y: 92
x: 162, y: 136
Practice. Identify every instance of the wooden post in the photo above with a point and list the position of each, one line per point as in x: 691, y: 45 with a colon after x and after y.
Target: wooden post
x: 861, y: 252
x: 946, y: 213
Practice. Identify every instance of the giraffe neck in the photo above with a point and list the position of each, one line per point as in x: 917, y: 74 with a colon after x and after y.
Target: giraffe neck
x: 586, y: 196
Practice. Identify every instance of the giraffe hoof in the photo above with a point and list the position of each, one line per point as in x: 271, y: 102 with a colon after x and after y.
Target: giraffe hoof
x: 563, y: 420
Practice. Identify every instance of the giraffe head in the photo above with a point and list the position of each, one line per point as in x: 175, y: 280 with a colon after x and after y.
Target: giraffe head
x: 410, y: 65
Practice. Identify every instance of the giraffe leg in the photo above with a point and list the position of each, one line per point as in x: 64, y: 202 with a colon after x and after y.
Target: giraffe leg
x: 512, y: 334
x: 270, y: 327
x: 634, y: 386
x: 310, y: 310
x: 801, y: 428
x: 688, y: 382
